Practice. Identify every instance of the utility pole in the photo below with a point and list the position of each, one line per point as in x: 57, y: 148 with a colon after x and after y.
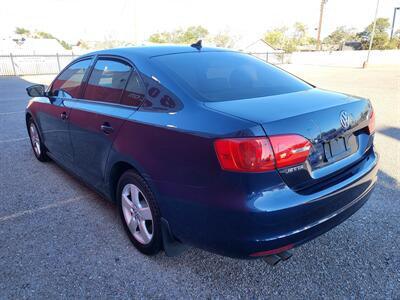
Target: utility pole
x: 394, y: 20
x: 135, y: 14
x: 321, y: 14
x: 371, y: 39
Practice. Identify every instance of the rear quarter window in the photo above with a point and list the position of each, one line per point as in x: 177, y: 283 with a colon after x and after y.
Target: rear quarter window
x: 134, y: 92
x: 224, y: 76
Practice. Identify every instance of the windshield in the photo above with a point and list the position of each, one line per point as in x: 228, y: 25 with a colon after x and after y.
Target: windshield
x: 223, y: 76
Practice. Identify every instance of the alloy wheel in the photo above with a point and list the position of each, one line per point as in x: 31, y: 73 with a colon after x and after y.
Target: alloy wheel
x: 137, y: 214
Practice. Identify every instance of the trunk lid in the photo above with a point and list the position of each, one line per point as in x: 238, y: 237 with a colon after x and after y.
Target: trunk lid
x: 335, y: 124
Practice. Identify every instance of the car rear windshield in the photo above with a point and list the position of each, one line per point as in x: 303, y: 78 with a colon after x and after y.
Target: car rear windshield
x: 223, y: 76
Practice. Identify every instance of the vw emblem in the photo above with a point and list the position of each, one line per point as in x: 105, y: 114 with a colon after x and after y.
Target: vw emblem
x: 345, y: 119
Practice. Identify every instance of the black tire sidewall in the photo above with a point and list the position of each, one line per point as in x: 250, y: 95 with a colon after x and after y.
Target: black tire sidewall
x: 155, y: 245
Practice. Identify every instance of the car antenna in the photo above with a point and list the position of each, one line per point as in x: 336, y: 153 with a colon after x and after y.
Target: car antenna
x: 197, y: 45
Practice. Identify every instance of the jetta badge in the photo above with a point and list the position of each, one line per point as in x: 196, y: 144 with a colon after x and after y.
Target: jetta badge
x: 345, y: 119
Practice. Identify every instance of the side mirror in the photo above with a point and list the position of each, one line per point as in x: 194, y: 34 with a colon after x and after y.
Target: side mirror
x: 37, y: 90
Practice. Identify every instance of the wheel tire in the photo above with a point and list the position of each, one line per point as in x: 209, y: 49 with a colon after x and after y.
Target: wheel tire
x: 38, y: 147
x: 133, y: 214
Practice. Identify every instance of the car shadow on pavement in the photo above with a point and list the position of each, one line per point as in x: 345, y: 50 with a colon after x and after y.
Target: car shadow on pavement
x: 12, y: 85
x: 392, y: 132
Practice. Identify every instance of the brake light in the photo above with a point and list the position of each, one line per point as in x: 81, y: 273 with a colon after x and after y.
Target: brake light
x: 245, y: 154
x: 371, y: 124
x: 290, y: 149
x: 261, y: 154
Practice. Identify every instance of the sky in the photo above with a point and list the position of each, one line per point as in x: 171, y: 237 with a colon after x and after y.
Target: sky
x: 134, y: 20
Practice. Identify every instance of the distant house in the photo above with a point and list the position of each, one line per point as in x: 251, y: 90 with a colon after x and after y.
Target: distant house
x: 264, y: 51
x: 20, y: 45
x: 261, y: 46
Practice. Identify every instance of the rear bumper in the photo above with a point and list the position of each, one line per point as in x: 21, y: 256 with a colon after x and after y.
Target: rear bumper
x: 310, y: 231
x: 254, y: 218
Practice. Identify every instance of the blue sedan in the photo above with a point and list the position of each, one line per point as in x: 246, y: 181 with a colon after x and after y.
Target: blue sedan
x: 207, y: 147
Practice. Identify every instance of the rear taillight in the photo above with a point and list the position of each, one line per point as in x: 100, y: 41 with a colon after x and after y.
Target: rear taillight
x: 261, y: 154
x: 371, y: 124
x: 245, y: 154
x: 290, y: 149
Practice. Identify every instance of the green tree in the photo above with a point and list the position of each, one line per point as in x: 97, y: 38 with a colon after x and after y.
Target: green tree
x: 311, y: 41
x: 300, y: 33
x: 279, y: 39
x: 339, y: 35
x: 43, y: 35
x: 276, y: 37
x: 65, y: 45
x: 224, y: 39
x: 179, y: 36
x: 22, y: 31
x: 46, y: 35
x: 395, y: 42
x: 193, y: 34
x: 161, y: 38
x: 381, y: 37
x: 382, y: 25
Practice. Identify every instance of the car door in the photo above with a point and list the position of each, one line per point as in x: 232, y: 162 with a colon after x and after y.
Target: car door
x: 54, y: 115
x: 96, y: 118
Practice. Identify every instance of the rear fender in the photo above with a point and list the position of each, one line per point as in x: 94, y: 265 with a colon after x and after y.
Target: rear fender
x: 113, y: 159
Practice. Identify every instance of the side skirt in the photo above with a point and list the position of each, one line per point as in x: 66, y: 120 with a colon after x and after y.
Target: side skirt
x: 76, y: 176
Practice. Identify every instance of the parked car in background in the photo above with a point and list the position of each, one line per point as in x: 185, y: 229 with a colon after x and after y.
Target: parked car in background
x: 351, y: 45
x: 207, y: 147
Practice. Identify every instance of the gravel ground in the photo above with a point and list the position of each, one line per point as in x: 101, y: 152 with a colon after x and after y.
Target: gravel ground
x: 60, y: 240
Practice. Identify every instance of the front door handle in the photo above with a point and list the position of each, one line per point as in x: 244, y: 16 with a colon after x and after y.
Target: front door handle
x: 64, y: 115
x: 107, y: 128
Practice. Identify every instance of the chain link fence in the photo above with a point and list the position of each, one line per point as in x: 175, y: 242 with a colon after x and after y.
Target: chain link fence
x: 16, y: 65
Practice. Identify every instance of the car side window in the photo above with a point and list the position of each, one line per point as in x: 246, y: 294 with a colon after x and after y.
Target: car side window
x: 107, y: 81
x: 134, y: 91
x: 68, y: 83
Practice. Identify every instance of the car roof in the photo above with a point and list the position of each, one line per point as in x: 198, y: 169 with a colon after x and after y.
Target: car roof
x: 143, y: 52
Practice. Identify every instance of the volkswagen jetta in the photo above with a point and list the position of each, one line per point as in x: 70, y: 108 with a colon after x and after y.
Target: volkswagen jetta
x: 207, y: 147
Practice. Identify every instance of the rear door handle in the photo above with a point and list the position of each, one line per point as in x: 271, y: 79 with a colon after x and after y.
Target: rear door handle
x: 106, y: 128
x: 64, y: 115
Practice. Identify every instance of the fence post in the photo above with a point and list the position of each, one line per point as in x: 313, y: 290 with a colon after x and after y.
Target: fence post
x: 266, y: 56
x: 13, y: 65
x: 58, y: 63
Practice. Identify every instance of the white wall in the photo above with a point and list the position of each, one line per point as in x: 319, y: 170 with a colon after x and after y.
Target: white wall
x: 345, y: 58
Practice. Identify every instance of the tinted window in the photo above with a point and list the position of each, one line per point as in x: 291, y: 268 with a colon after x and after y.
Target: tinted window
x: 107, y: 81
x: 221, y: 76
x: 68, y: 84
x: 134, y: 91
